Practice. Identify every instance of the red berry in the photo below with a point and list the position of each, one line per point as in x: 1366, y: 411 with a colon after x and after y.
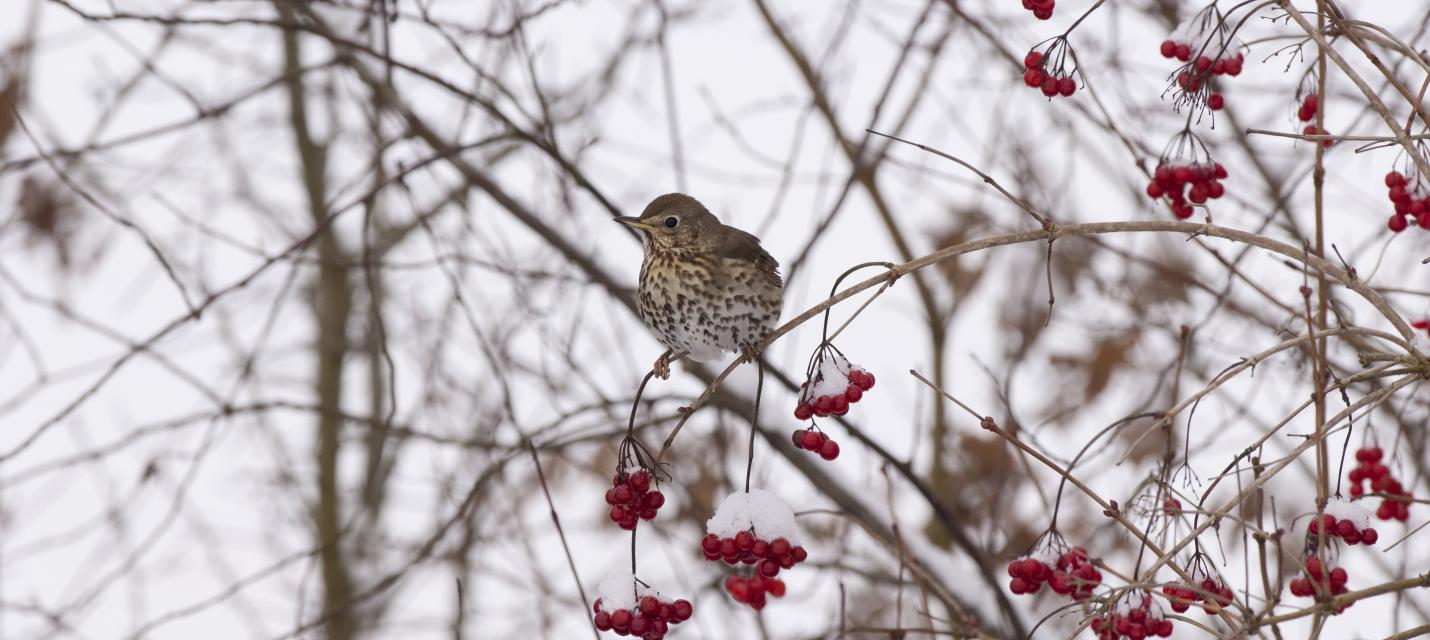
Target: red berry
x: 1184, y: 52
x: 829, y: 451
x: 803, y: 411
x: 868, y: 381
x: 621, y: 618
x: 1033, y: 78
x: 841, y: 405
x: 761, y: 549
x: 640, y: 481
x: 1169, y: 49
x: 1033, y: 60
x: 799, y: 554
x: 853, y: 393
x: 1347, y: 529
x: 1067, y: 87
x: 1154, y: 190
x: 603, y: 621
x: 779, y: 547
x: 1050, y: 86
x: 1392, y: 179
x: 1397, y: 223
x: 810, y: 441
x: 622, y: 494
x: 653, y: 500
x: 1219, y: 171
x: 777, y: 588
x: 1215, y: 102
x: 744, y: 540
x: 683, y: 610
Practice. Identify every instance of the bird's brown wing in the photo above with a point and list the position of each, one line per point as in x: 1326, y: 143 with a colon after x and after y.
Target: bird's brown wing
x: 745, y: 248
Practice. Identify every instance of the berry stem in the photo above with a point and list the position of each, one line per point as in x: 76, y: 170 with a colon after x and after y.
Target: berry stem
x: 755, y: 419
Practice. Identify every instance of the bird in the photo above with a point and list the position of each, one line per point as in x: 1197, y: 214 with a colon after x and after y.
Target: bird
x: 705, y: 288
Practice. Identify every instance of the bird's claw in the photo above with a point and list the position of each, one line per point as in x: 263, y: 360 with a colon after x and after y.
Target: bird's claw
x: 662, y: 366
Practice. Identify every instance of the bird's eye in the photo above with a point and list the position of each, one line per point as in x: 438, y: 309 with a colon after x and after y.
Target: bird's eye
x: 671, y: 222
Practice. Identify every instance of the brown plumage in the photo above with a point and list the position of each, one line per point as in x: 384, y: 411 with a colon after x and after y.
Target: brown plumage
x: 705, y: 288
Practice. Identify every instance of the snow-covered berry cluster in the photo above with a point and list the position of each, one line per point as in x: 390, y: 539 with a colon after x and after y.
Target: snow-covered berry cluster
x: 1412, y: 202
x: 1396, y: 503
x: 1347, y: 529
x: 745, y: 547
x: 632, y: 496
x: 817, y: 441
x: 1052, y: 80
x: 1319, y: 583
x: 832, y: 385
x: 1184, y: 184
x: 1042, y: 9
x: 1134, y: 620
x: 648, y: 618
x: 754, y: 528
x: 1067, y: 572
x: 1210, y: 591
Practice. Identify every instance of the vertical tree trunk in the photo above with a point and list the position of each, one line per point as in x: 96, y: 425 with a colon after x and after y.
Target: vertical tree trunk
x: 332, y: 305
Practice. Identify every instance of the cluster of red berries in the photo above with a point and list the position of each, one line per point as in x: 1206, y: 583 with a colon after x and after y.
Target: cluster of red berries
x: 1396, y: 504
x: 1318, y: 584
x: 768, y: 556
x: 747, y: 548
x: 857, y: 382
x: 1412, y: 204
x: 1307, y: 112
x: 1042, y: 9
x: 1213, y: 594
x: 816, y: 441
x: 754, y: 590
x: 1137, y: 623
x: 1345, y: 529
x: 1050, y: 82
x: 631, y: 496
x: 1196, y: 74
x: 1183, y: 183
x: 651, y: 619
x: 1074, y: 576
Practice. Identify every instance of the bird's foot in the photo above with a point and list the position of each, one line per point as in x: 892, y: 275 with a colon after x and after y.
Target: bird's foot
x: 750, y: 354
x: 662, y: 366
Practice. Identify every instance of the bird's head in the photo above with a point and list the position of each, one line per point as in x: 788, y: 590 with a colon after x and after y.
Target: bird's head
x: 673, y: 221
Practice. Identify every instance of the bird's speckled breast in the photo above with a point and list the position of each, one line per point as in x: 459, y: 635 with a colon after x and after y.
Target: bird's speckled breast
x: 703, y: 305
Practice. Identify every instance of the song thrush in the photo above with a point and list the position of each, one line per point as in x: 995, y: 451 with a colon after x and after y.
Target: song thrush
x: 705, y: 288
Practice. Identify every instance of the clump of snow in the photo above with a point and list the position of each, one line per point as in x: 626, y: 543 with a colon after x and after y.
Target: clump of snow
x: 618, y: 591
x: 761, y: 510
x: 1420, y: 343
x: 1147, y: 603
x: 1342, y: 509
x: 831, y: 377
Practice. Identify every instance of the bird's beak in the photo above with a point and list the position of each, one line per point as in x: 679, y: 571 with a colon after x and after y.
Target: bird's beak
x: 633, y: 222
